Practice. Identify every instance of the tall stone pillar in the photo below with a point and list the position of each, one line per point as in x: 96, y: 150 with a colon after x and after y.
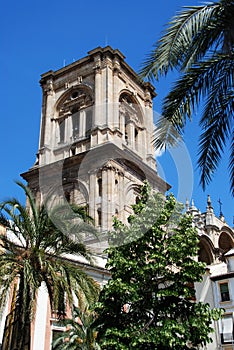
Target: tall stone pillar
x: 93, y: 196
x: 98, y: 93
x: 131, y: 134
x: 108, y: 204
x: 116, y: 117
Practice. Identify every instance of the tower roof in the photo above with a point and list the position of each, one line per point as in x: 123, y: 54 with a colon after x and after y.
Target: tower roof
x: 102, y: 52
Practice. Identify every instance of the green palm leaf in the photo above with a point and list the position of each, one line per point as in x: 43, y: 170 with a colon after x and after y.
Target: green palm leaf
x: 34, y: 252
x: 80, y: 331
x: 199, y: 42
x: 231, y: 163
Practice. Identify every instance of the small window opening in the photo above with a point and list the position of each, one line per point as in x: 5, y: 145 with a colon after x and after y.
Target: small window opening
x: 75, y: 121
x: 88, y: 126
x: 227, y: 335
x: 136, y: 139
x: 100, y: 187
x: 61, y: 130
x: 99, y: 213
x: 74, y: 95
x: 224, y: 292
x: 68, y: 196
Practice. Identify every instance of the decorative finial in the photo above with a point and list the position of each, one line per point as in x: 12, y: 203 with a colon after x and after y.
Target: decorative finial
x: 220, y: 209
x: 209, y: 204
x: 209, y: 207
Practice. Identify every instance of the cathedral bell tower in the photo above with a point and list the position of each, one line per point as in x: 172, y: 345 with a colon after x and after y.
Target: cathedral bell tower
x: 96, y: 133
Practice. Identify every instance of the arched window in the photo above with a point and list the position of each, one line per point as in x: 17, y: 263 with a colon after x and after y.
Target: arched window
x: 225, y: 242
x: 130, y: 119
x: 205, y: 252
x: 76, y: 109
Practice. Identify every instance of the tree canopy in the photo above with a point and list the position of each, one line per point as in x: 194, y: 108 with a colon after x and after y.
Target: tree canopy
x: 35, y: 252
x: 149, y: 302
x: 199, y: 43
x: 80, y: 333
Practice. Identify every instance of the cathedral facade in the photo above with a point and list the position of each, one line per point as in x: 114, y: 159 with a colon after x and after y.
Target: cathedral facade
x: 96, y: 150
x: 95, y: 145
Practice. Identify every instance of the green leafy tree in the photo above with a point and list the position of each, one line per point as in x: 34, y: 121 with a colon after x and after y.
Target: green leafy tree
x: 199, y: 43
x: 80, y: 333
x: 149, y: 303
x: 32, y: 253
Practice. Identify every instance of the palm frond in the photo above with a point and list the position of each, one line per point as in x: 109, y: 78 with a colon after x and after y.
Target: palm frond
x: 35, y: 252
x: 177, y: 46
x: 165, y: 134
x: 213, y: 140
x: 32, y: 203
x: 19, y: 218
x: 231, y: 163
x: 6, y: 280
x: 186, y: 94
x: 80, y: 332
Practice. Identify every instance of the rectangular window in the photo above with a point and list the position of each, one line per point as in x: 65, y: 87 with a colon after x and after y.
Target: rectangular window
x: 57, y: 329
x: 61, y: 131
x: 89, y: 122
x: 56, y: 333
x: 224, y: 291
x: 76, y: 124
x: 227, y: 329
x: 99, y: 212
x: 99, y: 187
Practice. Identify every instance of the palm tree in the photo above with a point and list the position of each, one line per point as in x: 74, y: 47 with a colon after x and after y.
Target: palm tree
x: 199, y: 42
x: 80, y: 333
x: 35, y: 252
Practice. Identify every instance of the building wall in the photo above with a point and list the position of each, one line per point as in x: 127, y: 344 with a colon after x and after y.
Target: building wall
x: 216, y: 250
x: 95, y: 149
x: 95, y: 145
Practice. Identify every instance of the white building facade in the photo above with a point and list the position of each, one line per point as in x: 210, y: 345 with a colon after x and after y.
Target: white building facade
x: 216, y: 249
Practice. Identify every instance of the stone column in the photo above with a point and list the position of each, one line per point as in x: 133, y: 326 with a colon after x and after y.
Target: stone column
x: 98, y: 93
x: 108, y: 210
x: 121, y: 197
x: 93, y: 195
x: 82, y: 123
x: 121, y: 122
x: 116, y: 117
x: 142, y: 141
x: 49, y: 112
x: 131, y: 134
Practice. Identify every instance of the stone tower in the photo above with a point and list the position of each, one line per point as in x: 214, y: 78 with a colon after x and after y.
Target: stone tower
x: 95, y: 145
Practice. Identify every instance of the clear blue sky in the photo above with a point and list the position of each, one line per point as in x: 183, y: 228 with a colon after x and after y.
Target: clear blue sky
x: 37, y: 36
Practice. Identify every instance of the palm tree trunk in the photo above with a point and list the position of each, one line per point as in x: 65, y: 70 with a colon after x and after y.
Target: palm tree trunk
x: 8, y: 330
x: 17, y: 335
